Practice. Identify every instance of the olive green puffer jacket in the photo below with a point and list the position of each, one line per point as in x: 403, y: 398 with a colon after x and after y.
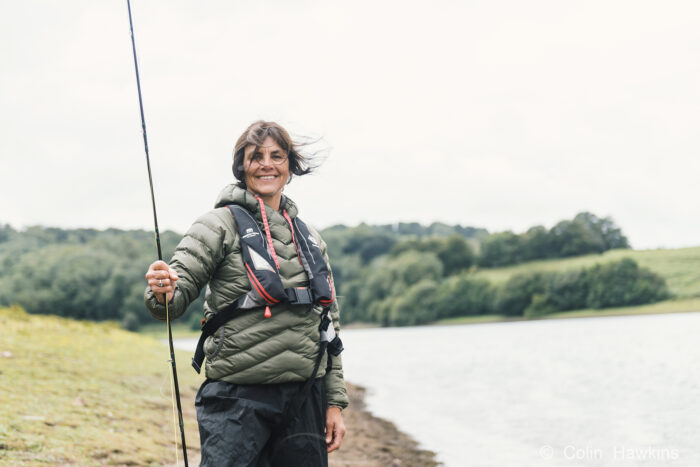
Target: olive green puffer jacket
x: 250, y: 349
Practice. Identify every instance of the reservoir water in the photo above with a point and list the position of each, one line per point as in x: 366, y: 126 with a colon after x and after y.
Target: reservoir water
x: 608, y: 391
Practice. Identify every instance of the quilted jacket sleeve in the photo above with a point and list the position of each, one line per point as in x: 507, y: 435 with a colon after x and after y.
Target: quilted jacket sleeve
x: 336, y: 392
x: 195, y: 260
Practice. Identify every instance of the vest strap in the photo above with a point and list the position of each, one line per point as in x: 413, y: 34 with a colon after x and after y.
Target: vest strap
x: 299, y: 295
x: 209, y: 327
x: 295, y: 296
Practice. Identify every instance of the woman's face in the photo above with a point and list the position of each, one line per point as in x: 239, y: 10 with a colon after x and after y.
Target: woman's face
x: 266, y: 169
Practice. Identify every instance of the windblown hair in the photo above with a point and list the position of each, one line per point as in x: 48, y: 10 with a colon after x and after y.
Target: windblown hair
x: 255, y: 134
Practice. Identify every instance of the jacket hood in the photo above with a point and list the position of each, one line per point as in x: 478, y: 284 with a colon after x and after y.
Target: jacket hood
x: 233, y: 194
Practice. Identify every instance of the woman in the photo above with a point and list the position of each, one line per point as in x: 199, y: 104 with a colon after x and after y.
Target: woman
x: 254, y: 407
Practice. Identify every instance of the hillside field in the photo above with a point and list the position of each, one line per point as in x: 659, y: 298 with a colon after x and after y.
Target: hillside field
x: 680, y: 267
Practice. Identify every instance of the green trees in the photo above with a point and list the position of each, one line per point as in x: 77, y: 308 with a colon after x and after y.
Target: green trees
x: 516, y: 294
x: 82, y: 273
x: 6, y: 232
x: 501, y: 249
x: 373, y: 296
x: 410, y: 289
x: 623, y: 283
x: 405, y: 273
x: 454, y: 252
x: 396, y: 274
x: 414, y: 306
x: 585, y: 234
x: 615, y: 284
x: 463, y: 295
x: 368, y: 244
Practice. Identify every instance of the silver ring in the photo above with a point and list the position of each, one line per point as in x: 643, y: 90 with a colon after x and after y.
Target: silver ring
x: 160, y: 283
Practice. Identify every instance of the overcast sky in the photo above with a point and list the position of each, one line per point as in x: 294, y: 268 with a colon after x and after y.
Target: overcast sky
x: 494, y: 114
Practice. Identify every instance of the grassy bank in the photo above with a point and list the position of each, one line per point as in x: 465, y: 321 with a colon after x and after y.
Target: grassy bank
x: 667, y: 306
x: 81, y: 393
x: 158, y: 330
x: 74, y: 392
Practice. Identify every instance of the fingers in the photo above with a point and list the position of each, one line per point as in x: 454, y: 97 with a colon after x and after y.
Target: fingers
x: 329, y: 431
x: 162, y: 265
x: 337, y: 430
x: 159, y: 271
x: 159, y: 268
x: 161, y: 279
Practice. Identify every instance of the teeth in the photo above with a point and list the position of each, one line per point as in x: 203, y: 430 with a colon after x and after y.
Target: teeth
x: 269, y: 177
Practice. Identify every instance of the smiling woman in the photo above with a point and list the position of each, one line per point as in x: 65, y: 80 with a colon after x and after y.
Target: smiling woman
x: 274, y: 389
x: 259, y: 160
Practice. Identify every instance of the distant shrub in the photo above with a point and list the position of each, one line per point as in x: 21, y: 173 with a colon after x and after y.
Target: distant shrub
x: 454, y: 251
x: 623, y: 283
x: 130, y: 322
x: 415, y: 305
x: 614, y: 284
x: 500, y: 249
x: 539, y: 305
x: 513, y: 297
x: 567, y: 290
x: 464, y: 295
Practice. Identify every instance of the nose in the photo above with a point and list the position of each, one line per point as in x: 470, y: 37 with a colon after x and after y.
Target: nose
x: 266, y: 161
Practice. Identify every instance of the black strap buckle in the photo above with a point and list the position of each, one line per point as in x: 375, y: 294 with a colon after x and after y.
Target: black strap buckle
x: 299, y: 295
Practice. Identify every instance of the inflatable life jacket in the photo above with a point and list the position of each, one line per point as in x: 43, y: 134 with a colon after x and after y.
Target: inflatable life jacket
x: 262, y: 267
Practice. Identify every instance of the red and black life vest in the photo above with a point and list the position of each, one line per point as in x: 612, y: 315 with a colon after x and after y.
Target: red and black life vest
x: 262, y: 267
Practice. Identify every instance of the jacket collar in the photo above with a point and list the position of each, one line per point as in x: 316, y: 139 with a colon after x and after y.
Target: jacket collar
x: 233, y: 194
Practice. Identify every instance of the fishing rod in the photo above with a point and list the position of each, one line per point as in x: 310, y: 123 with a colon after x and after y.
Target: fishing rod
x: 160, y: 253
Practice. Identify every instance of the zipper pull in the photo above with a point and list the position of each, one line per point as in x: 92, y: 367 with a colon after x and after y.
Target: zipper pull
x: 268, y: 314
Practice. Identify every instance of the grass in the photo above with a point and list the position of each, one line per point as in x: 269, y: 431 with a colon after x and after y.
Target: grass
x: 680, y: 267
x: 76, y: 392
x: 158, y: 330
x: 472, y: 319
x: 667, y: 306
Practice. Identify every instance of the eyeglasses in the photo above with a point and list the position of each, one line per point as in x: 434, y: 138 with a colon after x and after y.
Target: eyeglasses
x: 276, y: 158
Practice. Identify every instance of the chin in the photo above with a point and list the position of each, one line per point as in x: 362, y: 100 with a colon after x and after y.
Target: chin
x: 264, y: 191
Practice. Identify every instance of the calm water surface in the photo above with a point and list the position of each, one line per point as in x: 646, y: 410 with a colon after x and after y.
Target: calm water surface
x: 614, y: 391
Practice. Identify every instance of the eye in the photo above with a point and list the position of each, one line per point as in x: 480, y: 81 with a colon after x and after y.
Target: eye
x: 278, y: 157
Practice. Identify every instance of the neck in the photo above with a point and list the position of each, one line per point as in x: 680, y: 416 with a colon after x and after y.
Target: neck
x: 270, y: 200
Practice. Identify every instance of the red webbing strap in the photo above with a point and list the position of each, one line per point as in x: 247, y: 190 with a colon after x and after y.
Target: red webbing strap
x: 267, y: 231
x: 294, y: 239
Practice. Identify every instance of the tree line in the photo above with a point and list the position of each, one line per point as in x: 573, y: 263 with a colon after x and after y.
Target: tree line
x: 393, y: 274
x: 586, y: 233
x: 80, y: 273
x: 411, y: 289
x: 393, y: 278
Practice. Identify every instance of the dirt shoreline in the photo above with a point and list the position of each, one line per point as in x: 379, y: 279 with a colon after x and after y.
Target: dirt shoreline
x: 372, y: 441
x: 369, y: 441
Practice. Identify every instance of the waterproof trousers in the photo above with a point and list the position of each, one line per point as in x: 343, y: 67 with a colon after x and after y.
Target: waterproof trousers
x: 255, y: 424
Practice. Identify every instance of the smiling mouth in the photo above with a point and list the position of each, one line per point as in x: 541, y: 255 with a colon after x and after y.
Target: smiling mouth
x: 267, y: 177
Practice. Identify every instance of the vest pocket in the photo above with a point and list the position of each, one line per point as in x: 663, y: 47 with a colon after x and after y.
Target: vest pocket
x: 213, y: 344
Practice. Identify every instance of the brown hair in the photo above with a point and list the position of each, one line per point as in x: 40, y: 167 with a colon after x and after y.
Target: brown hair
x: 255, y: 134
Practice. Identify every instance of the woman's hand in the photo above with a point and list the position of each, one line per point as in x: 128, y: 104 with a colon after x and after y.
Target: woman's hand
x: 335, y: 428
x: 162, y: 280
